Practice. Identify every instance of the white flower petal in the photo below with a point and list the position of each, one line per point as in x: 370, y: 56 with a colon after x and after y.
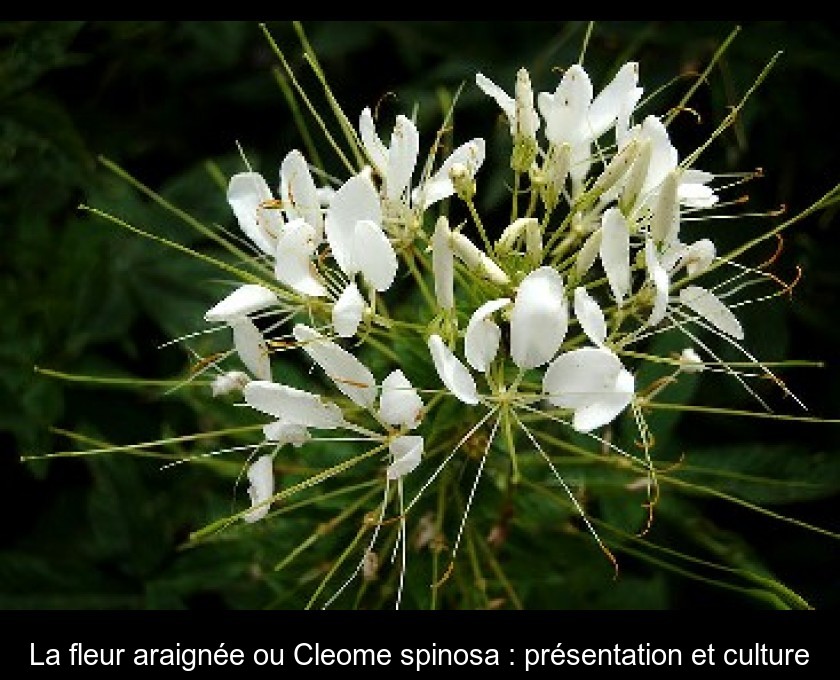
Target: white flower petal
x: 244, y: 300
x: 443, y: 264
x: 282, y: 433
x: 699, y: 256
x: 454, y: 375
x: 402, y: 157
x: 540, y: 318
x: 407, y: 452
x: 565, y: 110
x: 504, y: 100
x: 355, y: 200
x: 299, y: 193
x: 690, y: 361
x: 665, y: 221
x: 399, y: 403
x: 293, y: 260
x: 613, y: 102
x: 481, y: 341
x: 247, y: 193
x: 292, y: 405
x: 695, y: 195
x: 347, y: 311
x: 477, y: 260
x: 251, y: 347
x: 439, y: 185
x: 661, y: 283
x: 663, y: 154
x: 590, y: 316
x: 376, y: 151
x: 588, y: 253
x: 261, y: 489
x: 592, y: 382
x: 615, y: 252
x: 374, y: 257
x: 706, y: 304
x: 349, y: 374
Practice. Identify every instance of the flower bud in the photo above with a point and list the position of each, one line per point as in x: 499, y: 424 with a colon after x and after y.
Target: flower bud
x: 477, y: 260
x: 636, y: 178
x: 462, y: 181
x: 665, y: 222
x: 554, y: 172
x: 616, y: 169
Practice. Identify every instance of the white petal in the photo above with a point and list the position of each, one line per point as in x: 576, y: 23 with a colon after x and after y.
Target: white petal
x: 293, y: 260
x: 504, y: 100
x: 540, y: 318
x: 439, y: 185
x: 244, y: 300
x: 325, y: 196
x: 399, y: 403
x: 251, y: 347
x: 706, y: 304
x: 454, y: 375
x: 481, y: 341
x: 661, y: 284
x: 402, y: 157
x: 590, y: 316
x: 299, y: 193
x: 407, y: 452
x: 349, y: 374
x: 261, y: 489
x: 347, y: 311
x: 591, y: 381
x: 663, y: 154
x: 612, y: 102
x: 615, y: 252
x: 247, y: 193
x: 376, y: 151
x: 526, y: 118
x: 477, y: 260
x: 695, y: 195
x: 699, y: 256
x: 355, y: 200
x: 292, y: 405
x: 282, y: 433
x: 375, y: 257
x: 565, y: 110
x: 443, y: 265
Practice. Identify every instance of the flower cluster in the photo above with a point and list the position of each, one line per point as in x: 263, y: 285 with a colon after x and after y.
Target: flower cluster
x: 533, y: 318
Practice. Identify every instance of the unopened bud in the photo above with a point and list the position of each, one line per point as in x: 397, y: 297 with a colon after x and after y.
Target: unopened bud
x: 232, y: 381
x: 616, y: 169
x: 477, y: 260
x: 442, y: 265
x: 690, y: 361
x: 462, y: 181
x: 554, y: 172
x: 636, y: 178
x: 665, y: 222
x: 588, y: 253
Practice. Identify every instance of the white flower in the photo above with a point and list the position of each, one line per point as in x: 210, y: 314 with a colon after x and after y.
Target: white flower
x: 399, y: 403
x: 407, y: 451
x: 349, y: 374
x: 261, y: 489
x: 483, y: 335
x: 660, y: 281
x: 249, y: 197
x: 477, y: 260
x: 394, y: 164
x: 592, y: 382
x: 540, y: 318
x: 439, y: 186
x: 293, y: 259
x: 454, y: 375
x: 354, y: 232
x: 282, y: 433
x: 299, y: 194
x: 251, y: 348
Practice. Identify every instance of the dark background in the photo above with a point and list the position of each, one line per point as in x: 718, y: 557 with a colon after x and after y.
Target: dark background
x: 162, y: 98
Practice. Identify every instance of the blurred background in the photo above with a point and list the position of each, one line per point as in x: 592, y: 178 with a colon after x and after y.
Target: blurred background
x: 167, y: 101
